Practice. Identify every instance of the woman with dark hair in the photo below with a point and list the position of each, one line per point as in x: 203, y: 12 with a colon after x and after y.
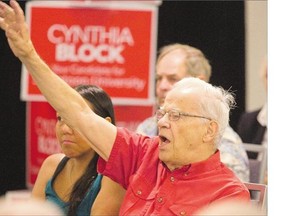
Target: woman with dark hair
x: 70, y: 179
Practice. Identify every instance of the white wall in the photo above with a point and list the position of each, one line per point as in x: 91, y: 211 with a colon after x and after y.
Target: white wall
x: 256, y: 51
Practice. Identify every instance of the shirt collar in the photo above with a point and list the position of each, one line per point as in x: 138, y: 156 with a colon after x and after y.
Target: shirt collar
x: 200, y: 167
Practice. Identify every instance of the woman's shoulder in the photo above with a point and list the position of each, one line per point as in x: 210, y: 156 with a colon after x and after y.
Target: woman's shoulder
x: 52, y: 161
x: 45, y: 173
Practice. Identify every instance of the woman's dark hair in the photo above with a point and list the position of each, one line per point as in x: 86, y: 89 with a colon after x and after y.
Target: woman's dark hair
x: 99, y: 99
x: 102, y: 106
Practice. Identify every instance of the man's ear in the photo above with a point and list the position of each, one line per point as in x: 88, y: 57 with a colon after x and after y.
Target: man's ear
x: 108, y: 119
x: 211, y: 131
x: 202, y: 77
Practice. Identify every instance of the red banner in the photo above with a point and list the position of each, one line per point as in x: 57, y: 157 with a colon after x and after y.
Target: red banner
x: 108, y: 44
x: 41, y: 139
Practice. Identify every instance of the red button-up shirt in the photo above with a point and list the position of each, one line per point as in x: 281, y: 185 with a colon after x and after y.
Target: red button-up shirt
x: 152, y: 189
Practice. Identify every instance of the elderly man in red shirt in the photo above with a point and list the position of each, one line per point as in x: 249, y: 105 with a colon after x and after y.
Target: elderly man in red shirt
x: 179, y: 171
x: 176, y: 173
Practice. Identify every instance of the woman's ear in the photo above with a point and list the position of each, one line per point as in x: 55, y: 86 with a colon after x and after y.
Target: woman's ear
x: 108, y: 119
x: 211, y: 132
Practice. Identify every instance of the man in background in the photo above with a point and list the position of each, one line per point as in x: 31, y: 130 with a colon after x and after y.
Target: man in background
x: 252, y: 126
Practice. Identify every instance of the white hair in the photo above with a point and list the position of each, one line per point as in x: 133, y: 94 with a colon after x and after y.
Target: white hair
x: 215, y: 102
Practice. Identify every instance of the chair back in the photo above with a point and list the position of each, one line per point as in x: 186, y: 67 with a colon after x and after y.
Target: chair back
x: 258, y: 167
x: 258, y: 194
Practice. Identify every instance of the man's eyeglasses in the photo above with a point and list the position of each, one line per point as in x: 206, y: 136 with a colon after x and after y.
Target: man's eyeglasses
x: 174, y: 115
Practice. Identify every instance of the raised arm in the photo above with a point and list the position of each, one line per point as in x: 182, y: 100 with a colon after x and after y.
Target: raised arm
x: 64, y: 99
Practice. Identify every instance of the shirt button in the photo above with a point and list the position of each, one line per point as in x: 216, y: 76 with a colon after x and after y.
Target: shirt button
x: 182, y: 213
x: 139, y: 192
x: 160, y: 199
x: 172, y: 179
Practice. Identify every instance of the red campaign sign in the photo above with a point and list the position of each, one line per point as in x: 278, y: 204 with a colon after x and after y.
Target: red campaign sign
x: 110, y: 44
x: 41, y: 137
x: 131, y: 116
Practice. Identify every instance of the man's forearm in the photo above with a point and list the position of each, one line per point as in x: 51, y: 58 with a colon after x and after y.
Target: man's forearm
x: 55, y: 90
